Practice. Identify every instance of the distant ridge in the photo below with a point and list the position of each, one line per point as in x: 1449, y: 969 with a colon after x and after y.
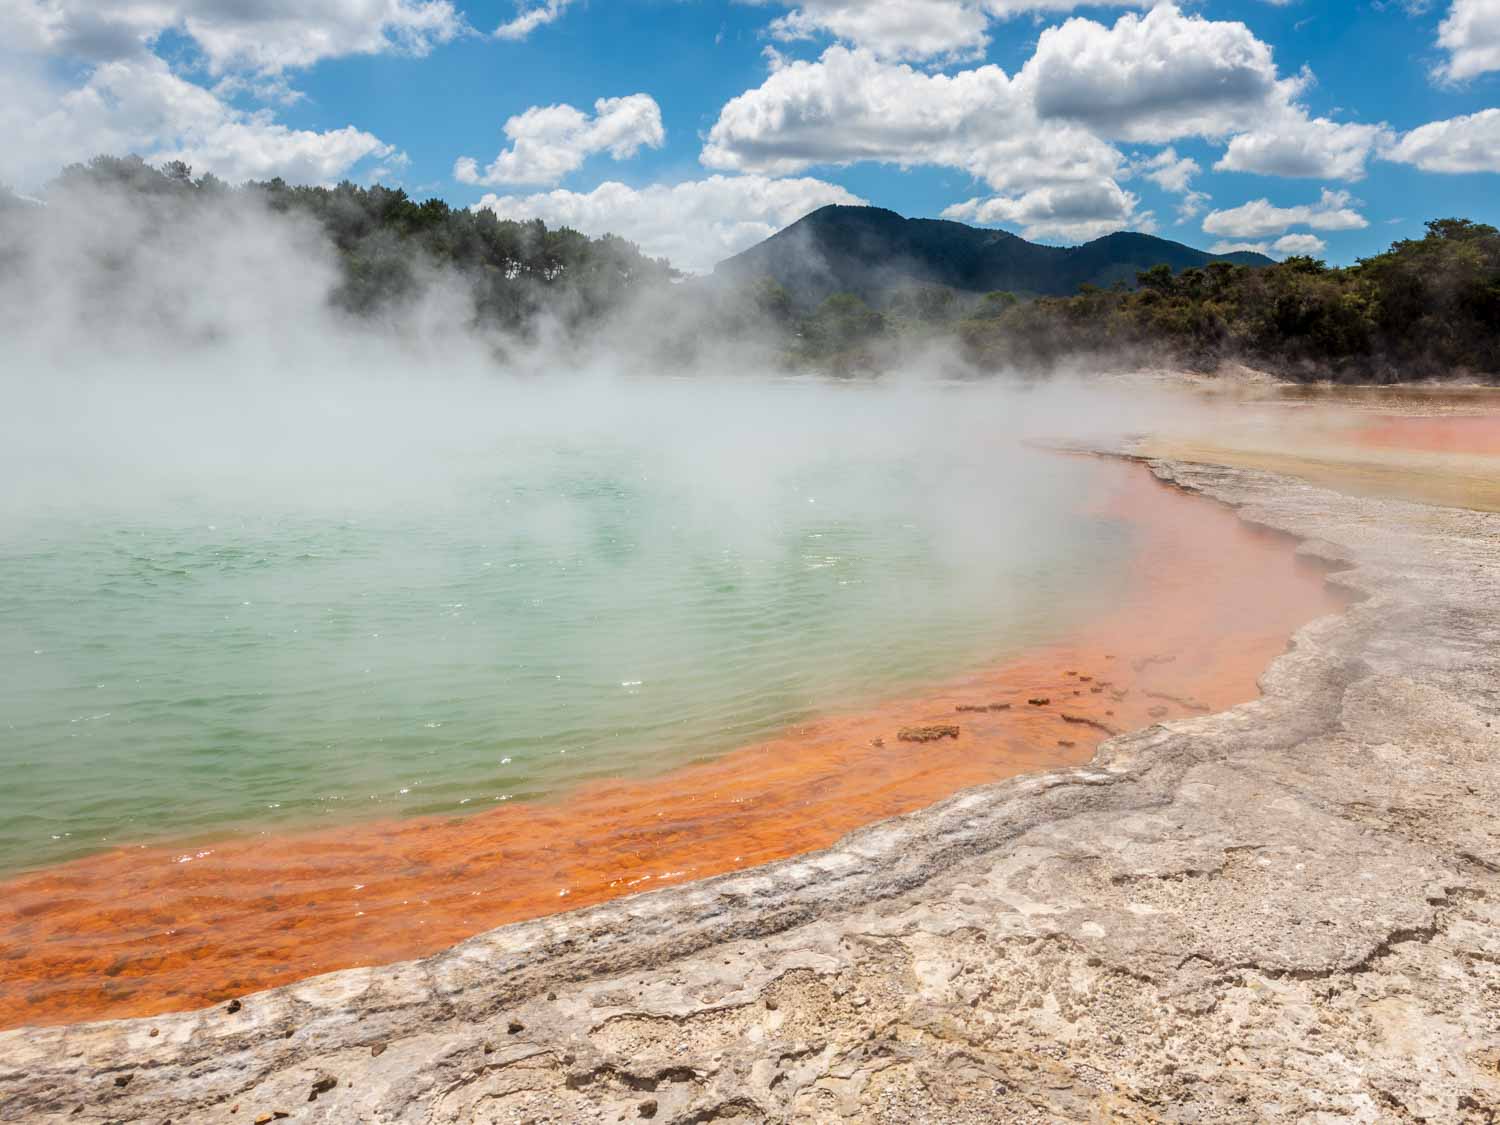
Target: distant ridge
x: 872, y: 252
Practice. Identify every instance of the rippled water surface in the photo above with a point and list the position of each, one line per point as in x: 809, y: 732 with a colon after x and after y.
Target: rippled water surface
x: 434, y: 606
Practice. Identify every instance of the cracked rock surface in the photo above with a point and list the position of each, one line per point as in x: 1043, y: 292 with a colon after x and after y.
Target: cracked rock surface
x: 1289, y: 911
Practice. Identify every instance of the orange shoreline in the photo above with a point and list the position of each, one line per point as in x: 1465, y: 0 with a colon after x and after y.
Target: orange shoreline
x: 134, y: 932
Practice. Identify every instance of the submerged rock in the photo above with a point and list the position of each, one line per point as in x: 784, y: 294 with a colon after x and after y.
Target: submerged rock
x: 930, y: 733
x: 1085, y: 721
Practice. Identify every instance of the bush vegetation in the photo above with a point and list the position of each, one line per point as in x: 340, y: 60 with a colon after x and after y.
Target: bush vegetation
x: 388, y: 244
x: 1425, y: 307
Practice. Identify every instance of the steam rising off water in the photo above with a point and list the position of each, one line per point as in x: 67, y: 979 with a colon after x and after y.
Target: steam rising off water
x: 226, y: 610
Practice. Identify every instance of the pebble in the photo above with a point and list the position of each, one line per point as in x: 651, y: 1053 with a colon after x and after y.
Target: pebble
x: 323, y: 1084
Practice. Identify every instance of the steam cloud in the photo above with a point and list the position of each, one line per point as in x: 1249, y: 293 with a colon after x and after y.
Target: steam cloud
x: 155, y: 350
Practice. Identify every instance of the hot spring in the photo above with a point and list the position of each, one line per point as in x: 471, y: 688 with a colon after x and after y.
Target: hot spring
x: 310, y: 671
x: 431, y: 602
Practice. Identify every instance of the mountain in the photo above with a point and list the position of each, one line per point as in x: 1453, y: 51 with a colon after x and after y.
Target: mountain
x: 872, y: 252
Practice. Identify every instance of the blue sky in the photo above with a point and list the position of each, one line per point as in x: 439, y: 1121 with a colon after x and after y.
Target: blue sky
x: 697, y: 128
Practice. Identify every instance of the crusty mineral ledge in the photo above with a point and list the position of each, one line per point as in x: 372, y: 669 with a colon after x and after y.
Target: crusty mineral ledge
x: 1283, y: 912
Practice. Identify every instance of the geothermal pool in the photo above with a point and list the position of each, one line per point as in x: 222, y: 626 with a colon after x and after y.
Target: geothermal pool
x: 551, y: 599
x: 452, y: 660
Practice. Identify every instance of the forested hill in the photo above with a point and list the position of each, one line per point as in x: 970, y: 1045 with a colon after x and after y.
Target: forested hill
x: 388, y: 246
x: 872, y: 253
x: 892, y: 288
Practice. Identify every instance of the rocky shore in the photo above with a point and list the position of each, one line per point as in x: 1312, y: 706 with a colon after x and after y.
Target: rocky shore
x: 1280, y: 912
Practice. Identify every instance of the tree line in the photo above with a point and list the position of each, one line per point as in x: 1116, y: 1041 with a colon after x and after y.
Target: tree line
x: 1425, y: 307
x: 388, y: 244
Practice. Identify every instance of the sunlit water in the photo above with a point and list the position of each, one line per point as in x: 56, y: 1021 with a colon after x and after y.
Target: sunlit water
x: 500, y: 595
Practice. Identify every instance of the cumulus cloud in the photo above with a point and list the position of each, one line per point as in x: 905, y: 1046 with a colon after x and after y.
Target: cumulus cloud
x: 1223, y: 246
x: 266, y: 35
x: 1005, y: 9
x: 139, y: 105
x: 914, y: 29
x: 1297, y: 145
x: 548, y: 142
x: 1148, y: 77
x: 1459, y: 144
x: 1285, y: 246
x: 1075, y: 212
x: 1299, y: 244
x: 1155, y: 77
x: 850, y: 106
x: 528, y: 19
x: 696, y: 223
x: 1470, y: 33
x: 896, y: 29
x: 1167, y: 170
x: 1260, y: 217
x: 1152, y: 77
x: 1191, y: 205
x: 1172, y: 173
x: 83, y: 77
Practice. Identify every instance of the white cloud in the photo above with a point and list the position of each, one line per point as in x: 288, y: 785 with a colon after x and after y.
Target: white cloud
x: 1283, y: 247
x: 1261, y: 217
x: 1150, y: 77
x: 1299, y: 244
x: 914, y: 29
x: 529, y: 19
x: 259, y: 35
x: 696, y: 223
x: 1155, y: 77
x: 128, y: 99
x: 1005, y: 9
x: 895, y: 29
x: 1167, y: 170
x: 1471, y: 35
x: 1459, y: 144
x: 849, y: 106
x: 1190, y: 206
x: 548, y: 142
x: 1296, y: 145
x: 1075, y: 212
x: 139, y: 105
x: 1173, y: 173
x: 1225, y: 247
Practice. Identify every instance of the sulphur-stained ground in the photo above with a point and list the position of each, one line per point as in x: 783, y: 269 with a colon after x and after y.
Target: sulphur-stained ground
x: 1286, y: 912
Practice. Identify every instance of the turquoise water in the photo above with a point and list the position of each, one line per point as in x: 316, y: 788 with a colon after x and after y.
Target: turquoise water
x: 432, y: 606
